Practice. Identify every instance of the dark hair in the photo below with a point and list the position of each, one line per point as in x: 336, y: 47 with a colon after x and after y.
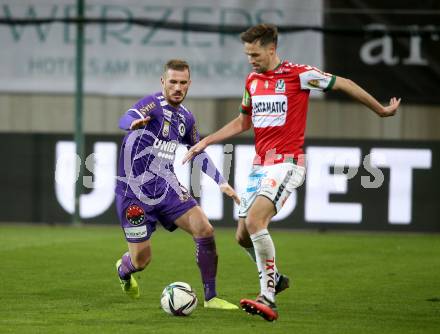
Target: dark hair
x: 176, y: 64
x: 265, y: 33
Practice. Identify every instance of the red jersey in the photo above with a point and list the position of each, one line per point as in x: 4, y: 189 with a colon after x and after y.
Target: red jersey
x: 277, y: 101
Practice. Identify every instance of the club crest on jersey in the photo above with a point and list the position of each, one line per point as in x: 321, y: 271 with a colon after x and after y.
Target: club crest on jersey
x: 253, y: 87
x: 182, y: 117
x: 280, y: 86
x: 166, y: 129
x: 182, y: 129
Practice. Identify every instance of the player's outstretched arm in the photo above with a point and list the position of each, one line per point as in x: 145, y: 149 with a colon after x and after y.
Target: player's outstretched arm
x: 229, y: 191
x: 358, y: 93
x: 206, y: 165
x: 139, y: 123
x: 133, y: 120
x: 238, y: 125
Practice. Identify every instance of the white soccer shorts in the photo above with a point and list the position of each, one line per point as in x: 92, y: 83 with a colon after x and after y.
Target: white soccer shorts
x: 276, y: 182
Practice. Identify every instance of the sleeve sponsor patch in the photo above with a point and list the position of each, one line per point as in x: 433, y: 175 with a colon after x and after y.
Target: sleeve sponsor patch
x: 315, y: 80
x: 145, y: 110
x: 246, y: 100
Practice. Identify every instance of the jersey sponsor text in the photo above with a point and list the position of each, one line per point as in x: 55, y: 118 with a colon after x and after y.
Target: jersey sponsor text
x: 269, y: 110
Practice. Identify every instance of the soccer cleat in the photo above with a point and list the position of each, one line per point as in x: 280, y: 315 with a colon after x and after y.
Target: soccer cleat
x: 283, y: 284
x: 261, y: 306
x: 219, y: 304
x: 130, y: 287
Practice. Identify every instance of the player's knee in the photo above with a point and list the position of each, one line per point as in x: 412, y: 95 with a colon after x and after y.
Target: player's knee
x: 253, y: 223
x: 251, y: 220
x: 207, y: 230
x: 203, y: 230
x: 199, y: 225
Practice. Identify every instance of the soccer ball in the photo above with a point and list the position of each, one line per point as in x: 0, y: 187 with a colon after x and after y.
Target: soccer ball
x: 178, y: 299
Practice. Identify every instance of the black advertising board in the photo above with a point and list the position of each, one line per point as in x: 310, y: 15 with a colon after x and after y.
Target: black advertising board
x: 405, y: 65
x: 350, y: 185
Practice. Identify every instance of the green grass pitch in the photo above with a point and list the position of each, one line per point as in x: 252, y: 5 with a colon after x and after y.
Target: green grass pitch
x: 63, y: 280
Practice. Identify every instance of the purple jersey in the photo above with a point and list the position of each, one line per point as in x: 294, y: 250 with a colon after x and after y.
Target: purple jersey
x: 145, y: 168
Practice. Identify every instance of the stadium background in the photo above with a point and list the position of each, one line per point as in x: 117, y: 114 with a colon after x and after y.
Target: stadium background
x: 388, y: 51
x: 58, y: 277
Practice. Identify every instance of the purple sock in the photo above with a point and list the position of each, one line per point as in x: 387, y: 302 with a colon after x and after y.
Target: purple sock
x: 126, y: 268
x: 206, y: 257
